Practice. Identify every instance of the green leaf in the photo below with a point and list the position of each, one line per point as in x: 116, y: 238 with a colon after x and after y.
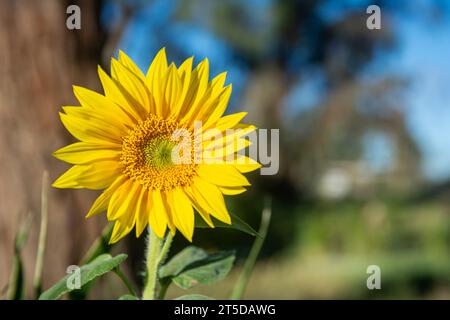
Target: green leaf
x: 16, y: 285
x: 182, y: 260
x: 236, y: 223
x: 207, y: 271
x: 194, y: 297
x: 16, y: 280
x: 100, y: 246
x: 98, y: 267
x: 23, y: 233
x: 128, y: 297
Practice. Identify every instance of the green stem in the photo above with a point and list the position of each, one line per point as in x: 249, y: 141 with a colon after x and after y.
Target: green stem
x: 125, y: 281
x: 242, y: 282
x: 153, y: 253
x: 164, y: 283
x: 42, y: 236
x: 165, y: 248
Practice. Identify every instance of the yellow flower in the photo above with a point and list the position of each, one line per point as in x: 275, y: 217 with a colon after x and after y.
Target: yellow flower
x: 129, y: 136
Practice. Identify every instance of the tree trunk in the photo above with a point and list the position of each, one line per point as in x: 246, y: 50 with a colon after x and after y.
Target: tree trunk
x: 40, y: 59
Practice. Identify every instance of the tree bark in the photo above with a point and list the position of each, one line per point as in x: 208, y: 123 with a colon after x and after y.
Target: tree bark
x: 40, y: 59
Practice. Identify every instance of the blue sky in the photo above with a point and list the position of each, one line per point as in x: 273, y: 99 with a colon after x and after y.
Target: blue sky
x: 422, y: 55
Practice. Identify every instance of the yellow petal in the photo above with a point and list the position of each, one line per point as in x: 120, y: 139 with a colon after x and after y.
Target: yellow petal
x: 232, y: 191
x: 84, y: 152
x: 99, y: 175
x: 101, y: 203
x: 216, y: 97
x: 89, y: 131
x: 67, y: 180
x: 211, y: 96
x: 156, y: 72
x: 224, y: 175
x: 119, y: 231
x: 142, y: 212
x: 241, y: 162
x: 182, y: 212
x: 229, y: 137
x: 210, y: 198
x: 114, y: 93
x: 201, y: 209
x: 216, y: 154
x: 122, y: 227
x: 201, y: 75
x: 224, y: 123
x: 197, y: 90
x: 185, y: 72
x: 244, y: 164
x: 90, y: 99
x: 158, y: 218
x: 219, y: 81
x: 117, y: 198
x: 217, y: 106
x: 127, y: 220
x: 117, y: 121
x: 173, y: 91
x: 134, y: 86
x: 95, y: 101
x: 123, y: 200
x: 95, y: 176
x: 127, y: 62
x: 186, y: 68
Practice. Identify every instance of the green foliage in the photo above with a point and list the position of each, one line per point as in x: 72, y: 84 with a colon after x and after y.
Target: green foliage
x: 181, y: 261
x: 100, y: 246
x: 16, y: 287
x: 37, y: 282
x: 236, y: 223
x: 128, y: 297
x: 242, y: 282
x: 17, y: 282
x: 213, y: 269
x: 193, y: 266
x: 98, y: 267
x: 194, y: 297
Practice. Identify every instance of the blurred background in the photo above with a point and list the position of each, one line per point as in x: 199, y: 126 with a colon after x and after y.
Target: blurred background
x: 363, y: 115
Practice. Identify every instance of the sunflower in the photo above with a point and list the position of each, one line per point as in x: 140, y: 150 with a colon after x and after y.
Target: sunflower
x: 158, y: 145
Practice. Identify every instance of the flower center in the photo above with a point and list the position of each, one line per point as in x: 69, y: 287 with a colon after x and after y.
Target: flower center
x: 158, y: 153
x: 147, y: 155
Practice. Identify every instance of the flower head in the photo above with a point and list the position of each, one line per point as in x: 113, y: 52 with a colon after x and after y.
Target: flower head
x: 158, y: 146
